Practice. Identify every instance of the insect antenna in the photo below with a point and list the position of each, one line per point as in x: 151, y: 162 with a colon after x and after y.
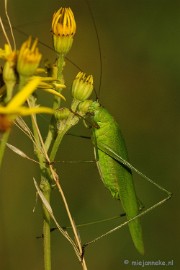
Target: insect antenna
x: 99, y: 47
x: 17, y: 28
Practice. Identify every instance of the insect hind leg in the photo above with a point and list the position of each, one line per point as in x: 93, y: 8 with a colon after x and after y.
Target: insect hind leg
x: 130, y: 220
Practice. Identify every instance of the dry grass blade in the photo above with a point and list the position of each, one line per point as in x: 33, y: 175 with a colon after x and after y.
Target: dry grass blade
x: 21, y: 124
x: 50, y: 211
x: 10, y: 26
x: 19, y: 152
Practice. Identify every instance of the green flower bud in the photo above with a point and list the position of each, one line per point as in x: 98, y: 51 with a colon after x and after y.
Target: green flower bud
x: 62, y: 114
x: 9, y: 75
x: 82, y: 86
x: 84, y: 106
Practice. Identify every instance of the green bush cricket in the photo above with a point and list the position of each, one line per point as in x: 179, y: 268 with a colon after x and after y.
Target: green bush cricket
x: 115, y: 170
x: 115, y: 176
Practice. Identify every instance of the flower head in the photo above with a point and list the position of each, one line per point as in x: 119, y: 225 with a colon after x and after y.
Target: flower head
x: 8, y: 54
x: 62, y: 114
x: 28, y: 58
x: 63, y: 29
x: 9, y: 69
x: 14, y: 108
x: 82, y: 86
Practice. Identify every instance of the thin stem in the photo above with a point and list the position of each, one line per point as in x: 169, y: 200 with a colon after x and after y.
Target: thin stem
x: 3, y: 142
x: 83, y: 262
x: 47, y: 245
x: 60, y: 64
x: 56, y: 103
x: 46, y: 190
x: 56, y: 145
x: 45, y: 187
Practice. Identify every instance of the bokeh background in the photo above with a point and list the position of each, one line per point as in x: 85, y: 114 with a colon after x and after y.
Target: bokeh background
x: 140, y: 46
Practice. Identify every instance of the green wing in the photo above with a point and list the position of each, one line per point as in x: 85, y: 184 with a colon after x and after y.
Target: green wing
x: 120, y: 183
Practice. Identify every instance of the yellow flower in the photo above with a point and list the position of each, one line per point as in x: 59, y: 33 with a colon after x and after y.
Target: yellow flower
x: 8, y: 54
x: 9, y: 69
x: 82, y: 86
x: 63, y: 23
x: 14, y: 108
x: 28, y: 58
x: 63, y: 29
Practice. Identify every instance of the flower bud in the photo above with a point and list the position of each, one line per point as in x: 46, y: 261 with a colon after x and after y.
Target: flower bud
x: 62, y: 113
x: 8, y: 54
x: 63, y: 29
x: 28, y: 58
x: 83, y: 107
x: 82, y: 86
x: 9, y: 75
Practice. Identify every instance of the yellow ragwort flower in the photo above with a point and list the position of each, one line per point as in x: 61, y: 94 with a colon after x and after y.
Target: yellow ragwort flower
x: 82, y: 86
x: 63, y: 29
x: 9, y: 69
x: 14, y: 108
x: 8, y: 54
x: 29, y: 58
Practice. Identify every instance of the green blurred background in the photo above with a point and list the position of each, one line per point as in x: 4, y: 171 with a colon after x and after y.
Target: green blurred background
x: 140, y: 46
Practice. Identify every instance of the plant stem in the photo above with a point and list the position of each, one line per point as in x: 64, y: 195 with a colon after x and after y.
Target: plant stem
x: 56, y: 103
x: 45, y: 186
x: 3, y: 142
x: 46, y: 189
x: 71, y: 121
x: 47, y: 245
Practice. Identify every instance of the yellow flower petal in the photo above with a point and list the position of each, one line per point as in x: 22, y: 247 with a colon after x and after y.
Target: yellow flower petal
x: 24, y: 93
x: 23, y: 111
x: 29, y: 111
x: 51, y: 91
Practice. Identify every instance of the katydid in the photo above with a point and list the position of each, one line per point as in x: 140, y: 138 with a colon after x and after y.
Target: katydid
x: 116, y: 172
x: 115, y: 176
